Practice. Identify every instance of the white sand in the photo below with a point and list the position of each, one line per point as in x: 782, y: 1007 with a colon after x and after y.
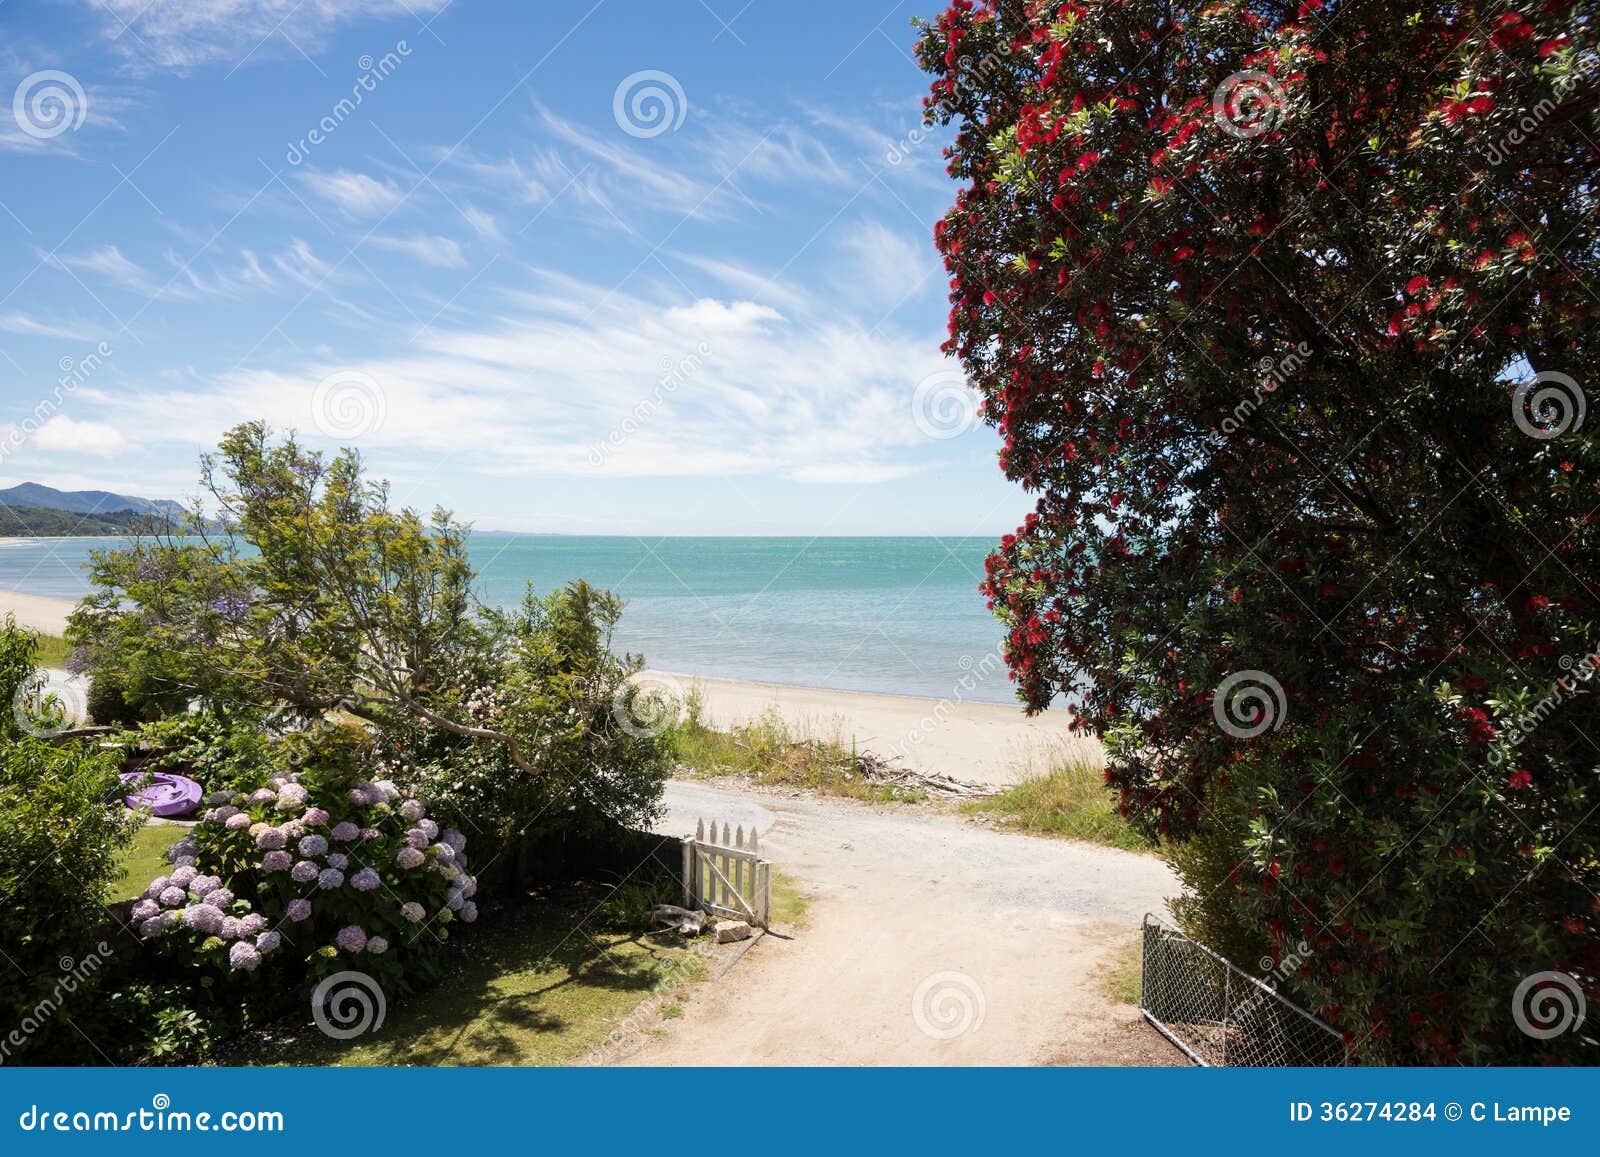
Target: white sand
x: 988, y: 743
x: 37, y: 612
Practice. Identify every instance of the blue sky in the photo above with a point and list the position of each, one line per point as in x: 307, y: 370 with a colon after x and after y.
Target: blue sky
x: 595, y: 267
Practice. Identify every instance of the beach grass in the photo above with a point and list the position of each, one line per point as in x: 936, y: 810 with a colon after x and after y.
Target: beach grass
x: 531, y: 992
x: 1067, y: 798
x: 1122, y: 976
x: 766, y: 751
x: 52, y: 651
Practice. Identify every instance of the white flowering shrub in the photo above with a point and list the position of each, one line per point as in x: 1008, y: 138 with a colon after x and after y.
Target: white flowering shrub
x: 311, y: 874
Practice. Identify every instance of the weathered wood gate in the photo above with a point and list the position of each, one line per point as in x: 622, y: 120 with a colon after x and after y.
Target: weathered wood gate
x: 726, y: 876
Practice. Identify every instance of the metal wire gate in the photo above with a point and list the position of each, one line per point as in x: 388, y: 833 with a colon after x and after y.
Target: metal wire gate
x: 1220, y: 1015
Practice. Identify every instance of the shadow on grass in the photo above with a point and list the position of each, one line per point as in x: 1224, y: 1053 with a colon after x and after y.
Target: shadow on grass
x: 534, y: 989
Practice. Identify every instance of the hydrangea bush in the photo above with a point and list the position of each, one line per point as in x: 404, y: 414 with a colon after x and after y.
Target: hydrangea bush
x: 313, y: 873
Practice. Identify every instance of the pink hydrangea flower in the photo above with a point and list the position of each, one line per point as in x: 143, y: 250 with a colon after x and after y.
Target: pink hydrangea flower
x: 271, y: 840
x: 203, y: 918
x: 365, y: 880
x: 298, y: 909
x: 303, y: 872
x: 172, y: 897
x: 408, y: 858
x: 268, y: 941
x: 243, y: 957
x: 345, y: 831
x: 238, y: 823
x: 315, y: 818
x: 276, y: 862
x: 183, y: 876
x: 351, y: 938
x: 377, y: 945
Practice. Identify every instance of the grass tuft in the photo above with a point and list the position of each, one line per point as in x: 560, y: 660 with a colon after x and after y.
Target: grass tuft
x: 1068, y: 800
x: 768, y: 752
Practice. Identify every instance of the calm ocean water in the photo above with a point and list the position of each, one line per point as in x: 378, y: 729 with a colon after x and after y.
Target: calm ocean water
x: 899, y: 615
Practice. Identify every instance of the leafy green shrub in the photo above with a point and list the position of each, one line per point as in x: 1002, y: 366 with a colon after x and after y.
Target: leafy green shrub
x: 62, y: 828
x: 108, y: 704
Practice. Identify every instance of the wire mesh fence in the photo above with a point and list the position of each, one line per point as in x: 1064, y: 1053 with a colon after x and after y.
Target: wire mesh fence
x: 1221, y: 1015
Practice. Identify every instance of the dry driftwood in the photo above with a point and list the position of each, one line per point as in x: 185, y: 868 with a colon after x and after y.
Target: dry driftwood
x: 880, y: 770
x: 670, y: 917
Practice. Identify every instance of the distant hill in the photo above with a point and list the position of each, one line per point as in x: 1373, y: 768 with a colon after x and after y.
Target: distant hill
x: 42, y: 522
x: 40, y: 497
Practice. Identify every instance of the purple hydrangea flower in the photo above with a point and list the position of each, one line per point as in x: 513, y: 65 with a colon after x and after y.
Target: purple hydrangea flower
x: 338, y: 860
x: 183, y: 876
x: 359, y: 798
x: 143, y: 910
x: 152, y: 927
x: 387, y: 788
x: 201, y: 885
x: 186, y: 861
x: 243, y: 957
x: 377, y: 945
x: 261, y: 795
x: 445, y: 852
x: 298, y: 909
x: 365, y: 880
x: 345, y: 831
x: 230, y: 928
x: 469, y: 911
x: 219, y: 897
x: 226, y: 813
x: 370, y: 833
x: 292, y: 797
x: 315, y: 818
x: 203, y: 918
x: 417, y: 838
x: 412, y: 810
x: 268, y: 941
x: 292, y: 830
x: 251, y: 924
x: 455, y: 839
x: 303, y: 872
x: 172, y: 897
x: 159, y: 885
x: 238, y: 823
x: 313, y: 846
x: 184, y: 847
x: 271, y: 840
x: 329, y: 879
x: 276, y: 862
x: 431, y: 828
x: 408, y: 858
x: 351, y: 938
x: 453, y: 899
x: 412, y: 911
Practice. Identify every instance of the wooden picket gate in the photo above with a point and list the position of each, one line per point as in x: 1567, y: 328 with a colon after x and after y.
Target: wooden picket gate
x: 726, y: 876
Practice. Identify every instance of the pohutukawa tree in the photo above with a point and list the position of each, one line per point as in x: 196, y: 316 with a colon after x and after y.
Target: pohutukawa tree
x: 1286, y: 315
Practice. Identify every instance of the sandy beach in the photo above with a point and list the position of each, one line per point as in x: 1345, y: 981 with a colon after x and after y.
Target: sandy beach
x: 37, y: 612
x: 985, y: 743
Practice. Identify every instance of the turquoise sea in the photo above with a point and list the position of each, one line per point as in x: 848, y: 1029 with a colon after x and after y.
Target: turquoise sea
x: 897, y: 615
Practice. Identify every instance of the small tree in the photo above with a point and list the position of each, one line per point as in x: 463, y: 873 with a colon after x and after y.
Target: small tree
x: 1282, y: 313
x: 307, y: 594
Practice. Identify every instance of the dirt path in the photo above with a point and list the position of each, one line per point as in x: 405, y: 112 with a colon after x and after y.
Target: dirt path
x: 930, y: 941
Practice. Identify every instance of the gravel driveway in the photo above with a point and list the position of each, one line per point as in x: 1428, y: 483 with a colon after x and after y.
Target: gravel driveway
x: 930, y: 941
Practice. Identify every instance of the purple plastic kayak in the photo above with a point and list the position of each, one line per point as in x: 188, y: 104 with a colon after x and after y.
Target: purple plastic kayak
x: 165, y: 794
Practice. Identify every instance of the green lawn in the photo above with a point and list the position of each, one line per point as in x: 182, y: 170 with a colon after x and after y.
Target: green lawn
x: 534, y: 990
x: 145, y: 859
x: 1069, y: 800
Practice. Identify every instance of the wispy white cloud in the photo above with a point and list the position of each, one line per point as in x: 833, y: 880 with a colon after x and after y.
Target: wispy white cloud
x: 179, y: 35
x: 355, y: 193
x: 21, y: 323
x: 428, y: 248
